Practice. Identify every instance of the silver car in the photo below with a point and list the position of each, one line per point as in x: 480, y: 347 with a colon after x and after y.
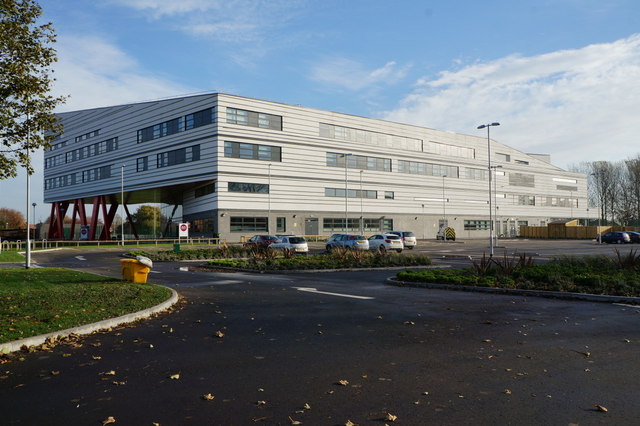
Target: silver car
x: 408, y: 238
x: 291, y: 242
x: 349, y: 241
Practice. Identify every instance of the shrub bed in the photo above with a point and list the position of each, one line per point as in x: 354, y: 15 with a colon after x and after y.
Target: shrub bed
x: 592, y: 275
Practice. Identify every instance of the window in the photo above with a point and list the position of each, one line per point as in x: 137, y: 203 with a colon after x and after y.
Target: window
x: 254, y: 119
x: 142, y: 164
x: 389, y: 195
x: 526, y: 163
x: 429, y: 169
x: 353, y: 193
x: 476, y: 174
x: 476, y: 225
x: 359, y: 162
x: 503, y: 157
x: 256, y: 188
x: 178, y: 156
x: 566, y: 188
x: 526, y: 200
x: 205, y: 190
x: 252, y: 151
x: 87, y: 136
x: 200, y: 118
x: 98, y: 173
x: 281, y: 224
x: 248, y: 224
x: 521, y: 179
x: 336, y: 224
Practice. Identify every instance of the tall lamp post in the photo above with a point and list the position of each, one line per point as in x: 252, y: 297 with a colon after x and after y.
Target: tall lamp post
x: 122, y: 201
x: 269, y: 198
x: 361, y: 209
x: 346, y: 194
x: 488, y: 126
x: 599, y: 209
x: 444, y: 212
x: 495, y: 202
x: 34, y: 219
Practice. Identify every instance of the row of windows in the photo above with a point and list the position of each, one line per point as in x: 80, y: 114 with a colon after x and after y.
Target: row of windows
x: 358, y: 162
x: 87, y: 136
x: 352, y: 193
x: 254, y: 119
x: 260, y: 224
x: 252, y: 151
x: 566, y: 188
x: 188, y: 122
x: 170, y: 158
x: 337, y: 224
x: 370, y: 138
x: 522, y: 179
x: 254, y: 188
x: 57, y: 145
x: 449, y: 150
x: 81, y: 153
x: 476, y: 225
x: 429, y: 169
x: 97, y: 173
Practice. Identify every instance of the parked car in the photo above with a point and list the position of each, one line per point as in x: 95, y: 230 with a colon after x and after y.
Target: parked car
x: 350, y: 241
x: 634, y: 236
x: 384, y: 242
x: 260, y: 241
x: 408, y: 238
x: 291, y: 242
x: 615, y: 237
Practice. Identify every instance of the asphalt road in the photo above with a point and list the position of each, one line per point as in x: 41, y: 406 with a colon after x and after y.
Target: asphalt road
x: 272, y: 351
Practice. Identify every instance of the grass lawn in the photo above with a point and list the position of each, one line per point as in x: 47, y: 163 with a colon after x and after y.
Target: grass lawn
x: 11, y: 256
x: 42, y: 300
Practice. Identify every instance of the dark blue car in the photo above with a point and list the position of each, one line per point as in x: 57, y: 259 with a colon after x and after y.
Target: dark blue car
x: 615, y: 237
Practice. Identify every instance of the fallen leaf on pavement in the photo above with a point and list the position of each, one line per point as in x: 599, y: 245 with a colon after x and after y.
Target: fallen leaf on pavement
x: 109, y: 373
x: 55, y: 373
x: 410, y: 323
x: 261, y: 403
x: 350, y: 423
x: 294, y: 422
x: 391, y: 417
x: 208, y: 397
x: 108, y: 420
x: 219, y: 334
x: 507, y: 391
x: 306, y: 406
x: 175, y: 376
x: 343, y: 382
x: 601, y: 408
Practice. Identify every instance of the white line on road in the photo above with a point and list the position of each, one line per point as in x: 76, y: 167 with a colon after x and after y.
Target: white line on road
x: 80, y: 258
x: 314, y: 290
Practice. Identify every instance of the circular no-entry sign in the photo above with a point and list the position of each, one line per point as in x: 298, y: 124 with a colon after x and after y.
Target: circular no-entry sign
x: 183, y: 227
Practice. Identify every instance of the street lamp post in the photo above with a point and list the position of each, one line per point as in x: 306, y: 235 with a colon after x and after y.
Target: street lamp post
x: 424, y: 225
x: 444, y: 212
x: 495, y: 202
x: 488, y: 126
x: 122, y: 202
x: 269, y: 198
x: 361, y: 209
x: 346, y: 194
x: 34, y: 219
x: 599, y: 210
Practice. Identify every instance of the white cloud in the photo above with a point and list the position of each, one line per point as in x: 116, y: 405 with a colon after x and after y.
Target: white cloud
x: 347, y: 74
x: 578, y: 105
x: 96, y: 73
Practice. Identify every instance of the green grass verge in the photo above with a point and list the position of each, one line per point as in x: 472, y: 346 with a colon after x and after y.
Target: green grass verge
x: 43, y: 300
x: 590, y: 275
x: 11, y: 256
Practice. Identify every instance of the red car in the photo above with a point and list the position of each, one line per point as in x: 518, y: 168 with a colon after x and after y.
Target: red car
x: 260, y: 241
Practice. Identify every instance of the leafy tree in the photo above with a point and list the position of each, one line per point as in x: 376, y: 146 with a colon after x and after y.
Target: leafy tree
x: 147, y: 218
x: 27, y: 122
x: 11, y: 219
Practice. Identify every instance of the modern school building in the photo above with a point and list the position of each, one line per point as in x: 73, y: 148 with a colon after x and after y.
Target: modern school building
x: 233, y: 166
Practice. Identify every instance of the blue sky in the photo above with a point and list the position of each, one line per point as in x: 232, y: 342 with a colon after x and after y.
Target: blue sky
x: 561, y: 76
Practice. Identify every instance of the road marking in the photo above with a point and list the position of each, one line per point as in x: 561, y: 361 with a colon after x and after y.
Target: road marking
x: 627, y: 306
x: 155, y: 272
x: 314, y: 290
x: 80, y: 258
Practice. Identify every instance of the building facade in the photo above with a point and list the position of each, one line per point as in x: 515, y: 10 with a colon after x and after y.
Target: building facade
x: 236, y: 166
